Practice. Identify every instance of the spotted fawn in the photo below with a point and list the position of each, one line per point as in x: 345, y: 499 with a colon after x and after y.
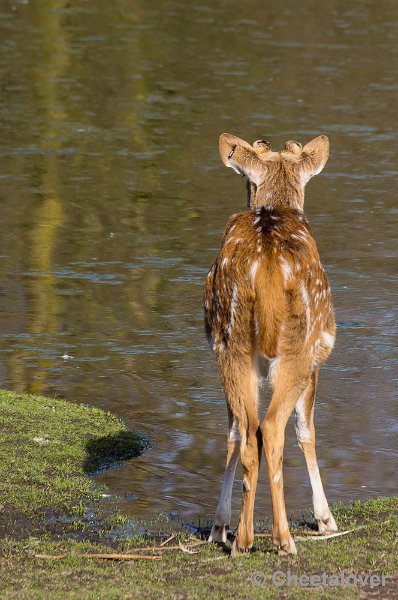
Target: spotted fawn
x: 267, y: 297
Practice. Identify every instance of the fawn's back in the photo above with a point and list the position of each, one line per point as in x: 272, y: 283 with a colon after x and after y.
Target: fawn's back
x: 267, y: 291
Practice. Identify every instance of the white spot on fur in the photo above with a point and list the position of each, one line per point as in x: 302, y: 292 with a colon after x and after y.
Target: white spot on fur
x: 234, y: 434
x: 256, y: 220
x: 215, y: 341
x: 300, y: 236
x: 327, y: 340
x: 253, y: 270
x: 286, y: 269
x: 302, y: 431
x: 277, y: 476
x: 246, y: 485
x: 272, y: 370
x: 224, y: 262
x: 234, y: 306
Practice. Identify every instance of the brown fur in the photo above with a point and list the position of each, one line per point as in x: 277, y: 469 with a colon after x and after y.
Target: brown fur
x: 267, y: 296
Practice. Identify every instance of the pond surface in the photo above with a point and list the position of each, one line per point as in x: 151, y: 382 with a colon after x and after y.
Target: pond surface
x: 114, y: 201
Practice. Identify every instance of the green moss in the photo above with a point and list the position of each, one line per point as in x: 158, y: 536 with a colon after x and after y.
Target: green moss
x: 47, y: 446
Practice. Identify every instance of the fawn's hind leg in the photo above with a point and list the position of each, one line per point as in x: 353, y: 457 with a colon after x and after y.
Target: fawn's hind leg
x: 305, y: 431
x: 250, y: 455
x: 289, y: 379
x: 222, y: 517
x: 239, y: 377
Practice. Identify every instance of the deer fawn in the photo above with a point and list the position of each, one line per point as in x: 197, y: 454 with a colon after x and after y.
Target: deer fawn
x: 268, y: 297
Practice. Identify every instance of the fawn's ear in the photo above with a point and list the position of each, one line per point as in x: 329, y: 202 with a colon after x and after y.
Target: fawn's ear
x: 316, y: 154
x: 241, y: 157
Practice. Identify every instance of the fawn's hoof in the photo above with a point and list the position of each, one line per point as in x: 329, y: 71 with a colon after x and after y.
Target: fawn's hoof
x: 218, y: 534
x: 327, y: 524
x: 237, y: 549
x: 286, y: 547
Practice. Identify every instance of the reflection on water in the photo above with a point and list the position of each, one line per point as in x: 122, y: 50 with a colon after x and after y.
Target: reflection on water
x: 114, y: 201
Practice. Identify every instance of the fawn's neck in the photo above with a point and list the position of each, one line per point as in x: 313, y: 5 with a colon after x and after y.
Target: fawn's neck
x: 280, y: 189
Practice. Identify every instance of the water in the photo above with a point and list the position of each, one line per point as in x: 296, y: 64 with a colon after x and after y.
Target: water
x: 114, y: 201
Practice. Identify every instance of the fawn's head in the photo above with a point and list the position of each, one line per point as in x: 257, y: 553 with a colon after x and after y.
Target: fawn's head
x: 277, y: 178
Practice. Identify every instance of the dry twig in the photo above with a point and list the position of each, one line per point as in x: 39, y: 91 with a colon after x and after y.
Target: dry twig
x: 187, y: 550
x: 99, y: 555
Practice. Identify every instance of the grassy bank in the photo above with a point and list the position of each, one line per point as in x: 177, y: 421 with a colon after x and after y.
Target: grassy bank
x: 47, y: 450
